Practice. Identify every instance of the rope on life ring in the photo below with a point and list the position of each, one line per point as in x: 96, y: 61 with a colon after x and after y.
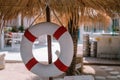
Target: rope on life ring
x: 66, y: 46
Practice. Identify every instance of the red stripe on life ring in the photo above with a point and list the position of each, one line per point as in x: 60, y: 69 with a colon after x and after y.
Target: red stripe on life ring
x: 29, y: 36
x: 31, y: 63
x: 60, y: 65
x: 59, y: 32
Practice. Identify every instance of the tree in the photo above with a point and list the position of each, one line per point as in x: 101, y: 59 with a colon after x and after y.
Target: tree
x: 73, y: 30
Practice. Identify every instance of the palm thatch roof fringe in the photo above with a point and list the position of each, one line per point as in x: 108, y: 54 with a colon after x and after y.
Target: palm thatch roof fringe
x: 83, y: 10
x: 29, y: 7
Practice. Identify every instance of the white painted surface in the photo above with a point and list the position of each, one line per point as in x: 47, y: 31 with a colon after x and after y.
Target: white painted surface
x: 2, y: 40
x: 108, y: 46
x: 82, y: 77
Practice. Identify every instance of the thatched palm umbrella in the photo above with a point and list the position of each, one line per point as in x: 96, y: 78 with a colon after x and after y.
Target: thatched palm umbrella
x: 10, y: 9
x: 75, y: 12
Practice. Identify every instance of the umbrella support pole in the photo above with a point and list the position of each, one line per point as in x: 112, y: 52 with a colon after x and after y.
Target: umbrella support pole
x: 49, y: 39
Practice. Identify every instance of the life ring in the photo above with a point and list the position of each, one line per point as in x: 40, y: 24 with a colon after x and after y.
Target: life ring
x: 66, y: 48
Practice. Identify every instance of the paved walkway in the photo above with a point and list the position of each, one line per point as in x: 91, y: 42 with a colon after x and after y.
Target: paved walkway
x: 100, y: 61
x: 17, y: 71
x: 103, y: 72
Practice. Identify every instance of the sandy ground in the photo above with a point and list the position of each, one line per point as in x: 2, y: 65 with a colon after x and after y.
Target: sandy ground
x: 17, y: 71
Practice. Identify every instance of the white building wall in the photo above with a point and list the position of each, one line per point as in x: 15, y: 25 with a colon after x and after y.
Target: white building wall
x: 19, y: 20
x: 27, y: 22
x: 2, y: 40
x: 81, y: 33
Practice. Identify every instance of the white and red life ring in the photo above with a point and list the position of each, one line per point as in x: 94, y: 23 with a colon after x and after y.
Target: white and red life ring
x: 66, y: 47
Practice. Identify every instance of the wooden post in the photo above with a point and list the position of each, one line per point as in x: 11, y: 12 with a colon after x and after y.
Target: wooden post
x: 2, y: 43
x: 49, y: 39
x: 2, y: 40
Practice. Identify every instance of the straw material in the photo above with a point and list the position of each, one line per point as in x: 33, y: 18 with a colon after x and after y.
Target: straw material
x: 83, y: 10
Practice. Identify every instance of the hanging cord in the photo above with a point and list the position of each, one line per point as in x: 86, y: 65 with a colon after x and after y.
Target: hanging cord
x: 57, y: 18
x: 47, y: 3
x: 38, y: 16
